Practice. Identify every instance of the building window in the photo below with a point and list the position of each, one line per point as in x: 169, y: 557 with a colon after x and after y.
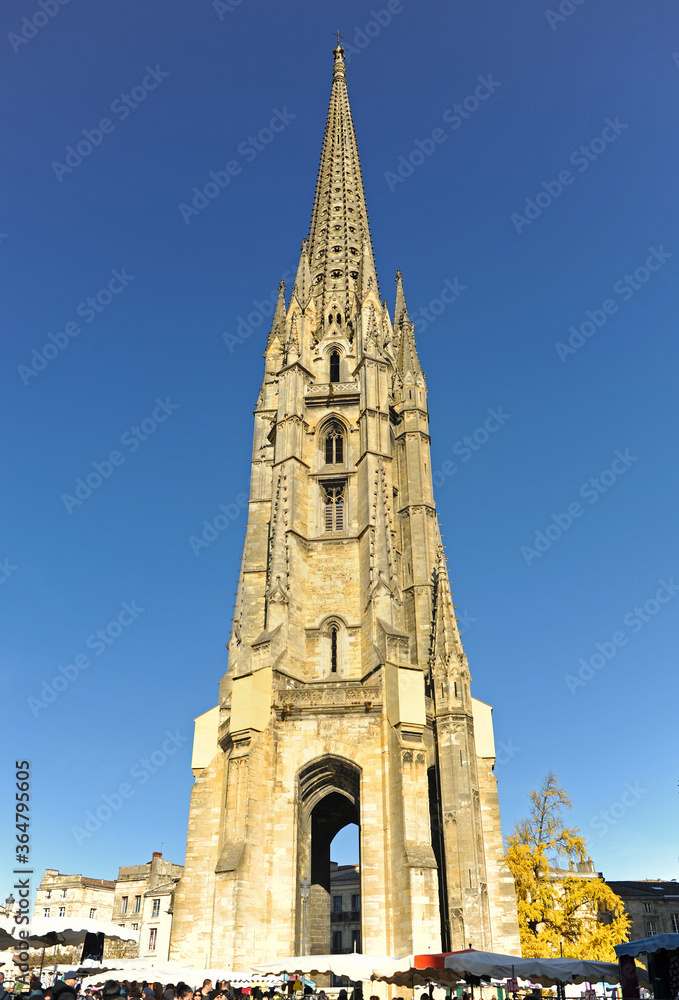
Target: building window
x: 356, y: 901
x: 675, y: 923
x: 135, y: 927
x: 46, y: 912
x: 336, y: 904
x: 156, y: 908
x: 123, y: 905
x: 334, y: 631
x: 92, y: 913
x: 648, y: 908
x: 334, y: 366
x: 63, y: 893
x: 334, y: 445
x: 153, y: 934
x: 651, y: 928
x: 337, y: 941
x: 137, y: 904
x: 334, y: 506
x: 62, y: 911
x: 356, y: 941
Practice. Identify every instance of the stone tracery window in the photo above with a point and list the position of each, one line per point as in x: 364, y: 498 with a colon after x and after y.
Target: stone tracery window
x: 334, y: 444
x: 333, y: 501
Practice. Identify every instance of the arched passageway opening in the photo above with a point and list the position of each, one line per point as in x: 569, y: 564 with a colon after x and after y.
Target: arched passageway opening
x: 329, y: 798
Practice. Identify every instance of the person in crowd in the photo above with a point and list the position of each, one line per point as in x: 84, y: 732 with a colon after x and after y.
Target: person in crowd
x: 35, y: 989
x: 111, y: 989
x: 184, y: 992
x: 4, y: 995
x: 65, y: 990
x: 168, y: 992
x: 157, y: 991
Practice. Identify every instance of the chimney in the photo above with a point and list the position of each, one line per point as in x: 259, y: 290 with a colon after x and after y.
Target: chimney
x: 157, y: 854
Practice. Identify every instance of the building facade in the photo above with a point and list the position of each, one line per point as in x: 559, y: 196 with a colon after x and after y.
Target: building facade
x: 141, y: 899
x: 652, y: 904
x: 73, y: 896
x: 347, y: 698
x: 345, y: 909
x: 144, y: 896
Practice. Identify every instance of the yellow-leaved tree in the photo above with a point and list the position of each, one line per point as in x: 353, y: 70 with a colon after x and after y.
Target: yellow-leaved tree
x: 561, y: 912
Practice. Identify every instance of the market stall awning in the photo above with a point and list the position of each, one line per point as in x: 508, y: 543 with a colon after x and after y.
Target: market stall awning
x: 545, y: 971
x: 352, y: 966
x: 49, y: 931
x: 648, y: 945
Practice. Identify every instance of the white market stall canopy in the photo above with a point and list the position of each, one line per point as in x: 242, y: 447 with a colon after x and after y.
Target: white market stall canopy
x: 351, y: 966
x: 545, y: 971
x: 140, y: 969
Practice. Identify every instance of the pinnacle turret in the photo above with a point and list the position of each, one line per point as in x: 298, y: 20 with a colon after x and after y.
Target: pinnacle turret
x: 302, y: 289
x: 278, y: 322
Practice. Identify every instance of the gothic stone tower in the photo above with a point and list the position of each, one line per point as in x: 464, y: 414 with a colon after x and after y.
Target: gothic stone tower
x: 347, y: 696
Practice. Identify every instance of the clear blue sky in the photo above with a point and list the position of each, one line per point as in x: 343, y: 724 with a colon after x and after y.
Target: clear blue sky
x: 201, y: 82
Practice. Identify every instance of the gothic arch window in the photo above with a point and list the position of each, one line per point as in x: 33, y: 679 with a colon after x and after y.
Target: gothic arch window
x: 333, y: 652
x: 334, y: 366
x: 334, y: 444
x: 334, y: 506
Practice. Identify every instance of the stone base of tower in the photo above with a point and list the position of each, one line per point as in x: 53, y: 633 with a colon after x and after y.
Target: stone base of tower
x: 262, y: 817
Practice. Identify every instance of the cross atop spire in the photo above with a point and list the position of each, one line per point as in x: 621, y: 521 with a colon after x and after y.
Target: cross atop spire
x: 339, y: 222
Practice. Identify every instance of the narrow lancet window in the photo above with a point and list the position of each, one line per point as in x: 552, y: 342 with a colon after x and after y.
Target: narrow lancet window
x: 333, y: 649
x: 334, y: 366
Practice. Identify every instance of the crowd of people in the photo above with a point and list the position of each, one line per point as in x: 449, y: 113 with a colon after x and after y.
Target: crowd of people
x: 69, y: 988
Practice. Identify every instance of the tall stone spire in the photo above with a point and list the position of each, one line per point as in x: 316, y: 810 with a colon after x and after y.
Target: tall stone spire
x: 339, y: 223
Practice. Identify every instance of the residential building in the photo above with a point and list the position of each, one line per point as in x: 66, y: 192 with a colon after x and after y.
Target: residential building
x: 345, y: 909
x: 144, y: 897
x: 653, y: 905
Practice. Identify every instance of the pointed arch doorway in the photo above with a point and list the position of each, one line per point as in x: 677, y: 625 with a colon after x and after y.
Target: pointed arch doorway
x: 328, y: 800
